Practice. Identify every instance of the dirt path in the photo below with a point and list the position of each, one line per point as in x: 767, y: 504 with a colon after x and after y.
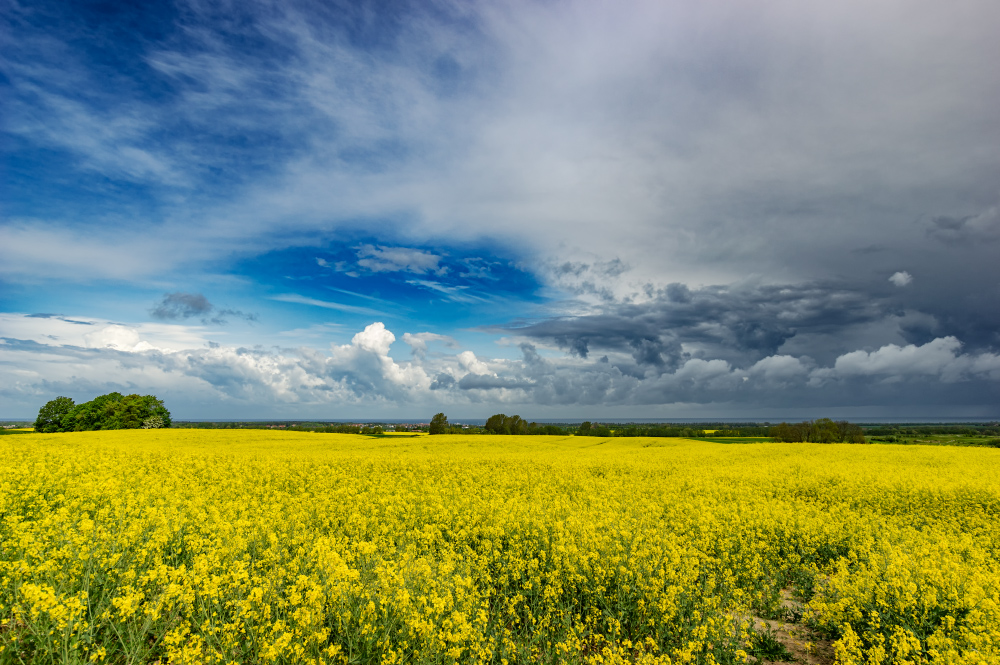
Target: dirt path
x: 801, y: 641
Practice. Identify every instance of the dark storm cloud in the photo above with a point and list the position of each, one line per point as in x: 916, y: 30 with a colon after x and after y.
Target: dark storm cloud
x: 981, y: 227
x: 735, y: 324
x: 180, y: 306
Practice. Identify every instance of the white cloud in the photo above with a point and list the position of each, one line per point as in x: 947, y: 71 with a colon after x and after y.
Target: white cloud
x: 468, y: 361
x: 418, y: 341
x: 662, y: 133
x: 374, y: 338
x: 326, y: 304
x: 901, y: 278
x: 44, y: 249
x: 398, y: 259
x: 362, y: 374
x: 779, y: 369
x: 454, y: 293
x: 89, y: 332
x: 117, y: 337
x: 939, y: 358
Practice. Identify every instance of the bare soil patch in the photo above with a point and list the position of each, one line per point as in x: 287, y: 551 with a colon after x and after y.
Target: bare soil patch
x: 805, y: 644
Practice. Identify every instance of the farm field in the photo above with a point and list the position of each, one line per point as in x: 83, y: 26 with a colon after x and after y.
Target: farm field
x: 262, y: 546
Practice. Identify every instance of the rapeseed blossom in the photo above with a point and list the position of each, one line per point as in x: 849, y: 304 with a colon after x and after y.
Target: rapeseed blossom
x: 201, y: 546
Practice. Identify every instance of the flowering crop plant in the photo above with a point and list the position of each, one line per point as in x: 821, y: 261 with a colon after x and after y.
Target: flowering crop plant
x: 257, y: 546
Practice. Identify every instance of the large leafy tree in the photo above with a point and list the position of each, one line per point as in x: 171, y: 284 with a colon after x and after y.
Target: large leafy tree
x: 51, y: 416
x: 110, y: 411
x: 504, y: 424
x: 439, y: 424
x: 95, y: 414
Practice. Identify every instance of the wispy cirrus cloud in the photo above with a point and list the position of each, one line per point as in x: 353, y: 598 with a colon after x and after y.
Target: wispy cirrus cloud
x: 325, y: 304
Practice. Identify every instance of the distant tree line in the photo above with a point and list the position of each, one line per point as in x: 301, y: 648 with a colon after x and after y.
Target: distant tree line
x: 744, y: 431
x: 371, y: 430
x: 515, y: 425
x: 904, y: 431
x: 111, y: 411
x: 823, y: 430
x: 588, y: 428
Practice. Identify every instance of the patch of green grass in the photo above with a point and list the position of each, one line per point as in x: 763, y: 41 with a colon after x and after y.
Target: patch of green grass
x: 765, y: 645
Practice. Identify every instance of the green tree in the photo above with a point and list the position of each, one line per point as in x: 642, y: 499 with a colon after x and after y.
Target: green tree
x: 503, y: 424
x: 824, y: 430
x: 439, y: 424
x: 584, y: 428
x: 516, y: 425
x: 116, y: 411
x: 851, y: 433
x: 98, y: 413
x: 600, y: 430
x: 132, y: 410
x: 51, y: 416
x: 496, y: 424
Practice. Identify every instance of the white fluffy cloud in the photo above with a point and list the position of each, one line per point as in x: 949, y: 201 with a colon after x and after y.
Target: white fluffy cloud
x: 117, y: 337
x: 901, y: 278
x: 467, y: 360
x: 779, y: 369
x: 940, y: 358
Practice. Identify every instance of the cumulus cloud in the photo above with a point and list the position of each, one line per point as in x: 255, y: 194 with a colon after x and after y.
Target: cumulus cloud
x: 780, y: 369
x: 940, y: 358
x: 120, y: 338
x: 374, y: 338
x: 901, y: 278
x: 467, y: 360
x: 362, y: 373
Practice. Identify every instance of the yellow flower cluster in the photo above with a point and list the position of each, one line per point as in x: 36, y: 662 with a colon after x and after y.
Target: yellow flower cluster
x: 202, y: 546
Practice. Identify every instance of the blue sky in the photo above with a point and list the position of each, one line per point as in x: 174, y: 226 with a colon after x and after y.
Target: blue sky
x: 559, y: 209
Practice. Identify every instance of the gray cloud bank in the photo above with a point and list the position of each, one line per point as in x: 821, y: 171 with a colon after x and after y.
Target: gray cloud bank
x: 701, y: 141
x: 362, y: 376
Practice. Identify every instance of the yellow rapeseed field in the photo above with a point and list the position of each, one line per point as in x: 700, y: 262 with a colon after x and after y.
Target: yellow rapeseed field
x: 202, y: 546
